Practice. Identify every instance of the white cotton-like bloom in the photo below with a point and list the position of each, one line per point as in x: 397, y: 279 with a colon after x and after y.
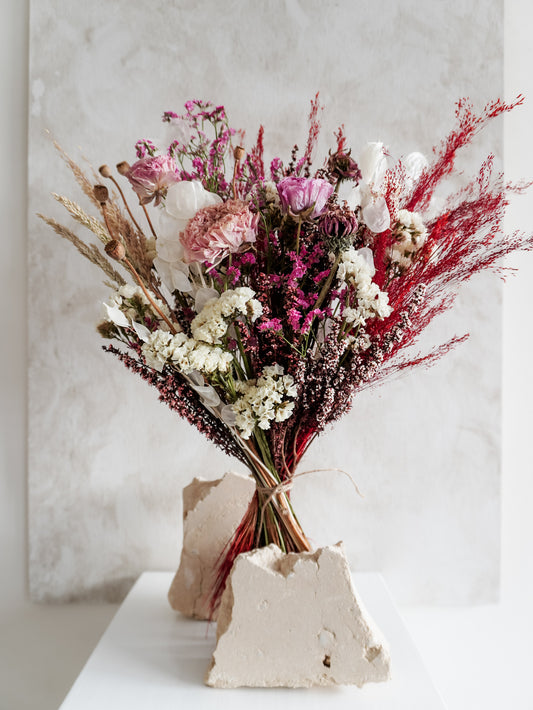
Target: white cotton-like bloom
x: 264, y: 400
x: 357, y: 270
x: 212, y: 323
x: 356, y: 266
x: 409, y: 237
x: 129, y: 291
x: 254, y: 309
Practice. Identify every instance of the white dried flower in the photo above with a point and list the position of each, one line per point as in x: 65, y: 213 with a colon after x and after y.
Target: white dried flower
x: 186, y: 354
x: 264, y: 400
x: 123, y: 313
x: 357, y: 270
x: 409, y: 237
x: 212, y: 323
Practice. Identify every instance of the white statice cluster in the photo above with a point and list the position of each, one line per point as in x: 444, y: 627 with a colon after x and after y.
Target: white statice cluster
x: 356, y: 268
x: 359, y: 342
x: 409, y: 237
x: 212, y: 323
x: 123, y: 313
x: 187, y: 354
x: 201, y: 353
x: 262, y: 401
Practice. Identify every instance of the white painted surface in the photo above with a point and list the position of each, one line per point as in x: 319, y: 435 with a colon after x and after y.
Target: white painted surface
x: 151, y: 657
x: 107, y: 461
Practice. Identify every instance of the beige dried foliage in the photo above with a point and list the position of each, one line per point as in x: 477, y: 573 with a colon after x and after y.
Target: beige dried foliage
x: 80, y: 177
x: 135, y: 241
x: 89, y: 251
x: 82, y: 217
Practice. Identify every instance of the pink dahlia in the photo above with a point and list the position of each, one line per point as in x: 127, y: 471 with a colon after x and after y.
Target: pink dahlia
x: 151, y: 177
x: 218, y: 230
x: 309, y: 195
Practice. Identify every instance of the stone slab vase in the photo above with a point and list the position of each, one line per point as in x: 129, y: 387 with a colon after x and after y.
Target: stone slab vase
x: 212, y: 511
x: 294, y: 620
x: 285, y: 620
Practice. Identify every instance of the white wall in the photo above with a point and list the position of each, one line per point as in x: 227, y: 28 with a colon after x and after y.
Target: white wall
x: 13, y: 431
x: 424, y: 449
x: 517, y: 481
x: 517, y: 489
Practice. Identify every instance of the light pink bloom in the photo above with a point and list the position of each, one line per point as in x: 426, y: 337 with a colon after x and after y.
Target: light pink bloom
x: 151, y: 177
x: 218, y: 230
x: 298, y: 194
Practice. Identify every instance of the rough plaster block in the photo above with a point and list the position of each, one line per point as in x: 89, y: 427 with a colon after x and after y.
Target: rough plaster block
x: 294, y: 620
x: 212, y: 510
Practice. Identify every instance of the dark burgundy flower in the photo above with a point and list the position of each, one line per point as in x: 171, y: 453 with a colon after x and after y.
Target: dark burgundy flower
x: 342, y: 166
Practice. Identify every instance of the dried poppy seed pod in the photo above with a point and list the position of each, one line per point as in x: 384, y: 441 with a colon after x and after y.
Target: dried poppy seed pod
x: 238, y: 153
x: 115, y: 250
x: 105, y: 171
x: 123, y: 167
x: 101, y: 193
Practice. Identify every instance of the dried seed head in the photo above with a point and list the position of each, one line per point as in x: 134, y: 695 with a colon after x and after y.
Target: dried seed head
x: 344, y: 167
x: 238, y: 153
x: 101, y: 193
x: 105, y: 171
x: 123, y: 167
x: 107, y: 329
x: 115, y: 250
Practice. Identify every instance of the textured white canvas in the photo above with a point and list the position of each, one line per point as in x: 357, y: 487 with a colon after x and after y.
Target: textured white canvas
x: 107, y: 462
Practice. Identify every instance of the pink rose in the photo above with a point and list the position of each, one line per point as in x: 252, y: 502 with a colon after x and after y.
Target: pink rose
x: 298, y: 194
x: 151, y: 177
x: 218, y: 230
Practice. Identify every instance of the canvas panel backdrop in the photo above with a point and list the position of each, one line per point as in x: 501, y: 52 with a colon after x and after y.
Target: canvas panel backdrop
x: 107, y: 462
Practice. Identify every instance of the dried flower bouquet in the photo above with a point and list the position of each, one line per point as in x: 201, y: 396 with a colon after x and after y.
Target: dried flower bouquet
x: 264, y: 299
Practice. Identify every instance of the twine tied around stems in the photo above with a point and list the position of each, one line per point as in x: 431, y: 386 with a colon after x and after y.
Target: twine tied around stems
x: 286, y: 486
